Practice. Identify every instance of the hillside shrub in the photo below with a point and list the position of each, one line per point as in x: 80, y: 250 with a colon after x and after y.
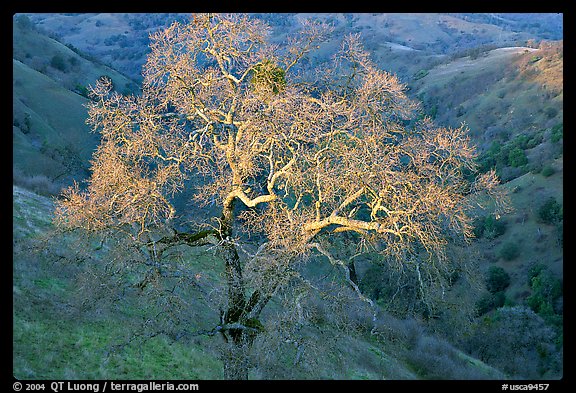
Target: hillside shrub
x: 25, y: 126
x: 489, y: 227
x: 511, y: 154
x: 478, y: 227
x: 82, y: 90
x: 490, y: 158
x: 546, y: 298
x: 551, y: 112
x: 460, y: 111
x: 486, y: 162
x: 433, y: 111
x: 420, y: 74
x: 547, y: 171
x: 517, y: 341
x: 73, y: 61
x: 509, y: 251
x: 550, y: 212
x: 489, y: 302
x: 497, y: 279
x: 494, y: 227
x: 520, y: 141
x: 59, y: 63
x: 517, y: 157
x: 73, y: 49
x: 535, y: 140
x: 534, y: 270
x: 546, y: 290
x: 557, y: 132
x: 484, y: 304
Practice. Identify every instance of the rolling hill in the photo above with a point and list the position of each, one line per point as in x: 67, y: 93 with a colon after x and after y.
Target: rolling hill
x: 121, y: 39
x: 500, y: 94
x: 50, y: 137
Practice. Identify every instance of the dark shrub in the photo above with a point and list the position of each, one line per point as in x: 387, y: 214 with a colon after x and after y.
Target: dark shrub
x: 489, y: 302
x: 478, y: 227
x: 517, y: 157
x: 59, y: 63
x: 534, y: 271
x: 509, y: 251
x: 517, y: 341
x: 489, y: 227
x: 550, y: 212
x: 551, y: 112
x: 546, y: 290
x: 547, y: 171
x: 557, y: 132
x: 497, y: 279
x: 494, y: 227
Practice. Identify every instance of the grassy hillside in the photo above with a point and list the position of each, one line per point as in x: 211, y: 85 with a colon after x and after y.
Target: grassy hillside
x: 434, y: 33
x: 120, y: 40
x: 500, y: 94
x: 65, y: 64
x: 512, y: 100
x: 51, y: 142
x: 56, y: 337
x: 49, y: 134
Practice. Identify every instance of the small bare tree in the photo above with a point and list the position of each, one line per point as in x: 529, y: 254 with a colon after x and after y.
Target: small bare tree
x: 289, y: 159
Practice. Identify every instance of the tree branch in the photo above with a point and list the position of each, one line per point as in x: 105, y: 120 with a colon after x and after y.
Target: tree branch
x: 348, y: 201
x: 238, y: 193
x: 197, y: 239
x: 349, y: 280
x: 352, y: 224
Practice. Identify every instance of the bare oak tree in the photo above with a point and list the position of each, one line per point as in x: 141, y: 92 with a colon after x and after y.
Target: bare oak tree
x: 289, y: 158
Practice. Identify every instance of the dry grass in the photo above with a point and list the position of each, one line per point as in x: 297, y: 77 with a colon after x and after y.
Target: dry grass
x: 545, y: 66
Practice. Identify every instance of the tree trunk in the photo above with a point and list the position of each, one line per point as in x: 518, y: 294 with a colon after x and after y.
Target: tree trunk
x: 236, y: 351
x: 236, y: 359
x: 233, y: 268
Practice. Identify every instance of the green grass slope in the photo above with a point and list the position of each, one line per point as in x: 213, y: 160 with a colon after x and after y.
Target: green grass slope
x: 512, y: 101
x: 54, y: 337
x: 50, y: 138
x: 49, y: 134
x: 538, y: 242
x: 118, y: 39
